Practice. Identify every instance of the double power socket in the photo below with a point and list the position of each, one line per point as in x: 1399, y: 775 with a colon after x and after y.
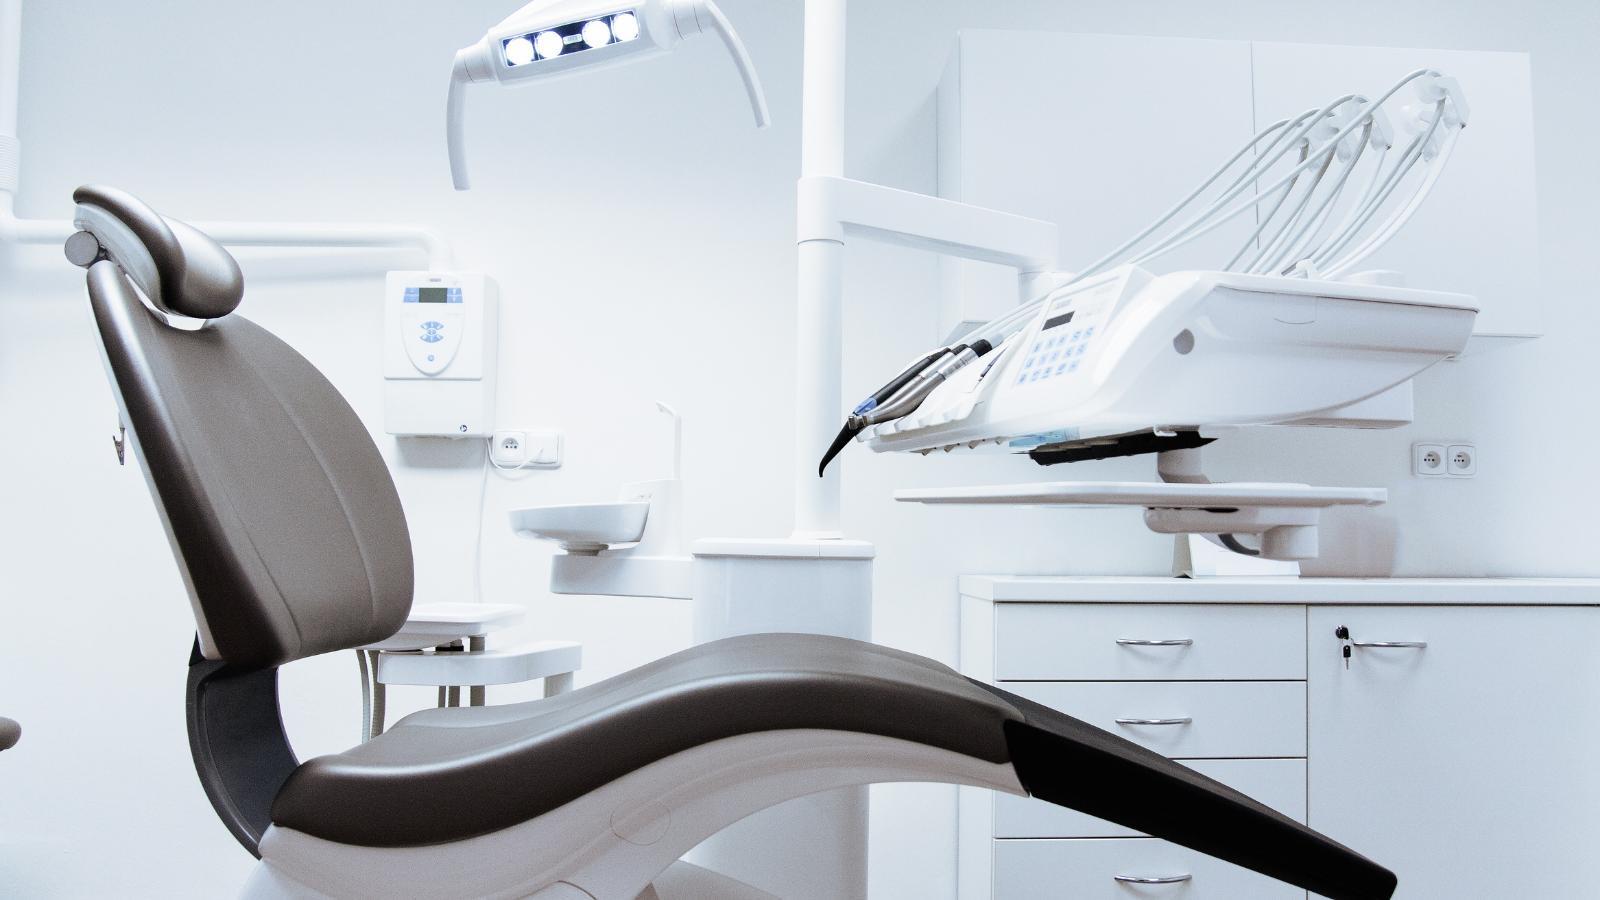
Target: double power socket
x: 1430, y: 459
x: 517, y: 449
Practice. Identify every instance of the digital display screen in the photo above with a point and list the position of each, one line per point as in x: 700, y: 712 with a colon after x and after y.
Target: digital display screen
x: 433, y: 295
x: 1058, y: 320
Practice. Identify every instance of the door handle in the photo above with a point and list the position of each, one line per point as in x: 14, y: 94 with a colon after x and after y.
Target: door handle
x: 1168, y: 642
x: 1169, y: 879
x: 1183, y: 721
x: 1413, y: 645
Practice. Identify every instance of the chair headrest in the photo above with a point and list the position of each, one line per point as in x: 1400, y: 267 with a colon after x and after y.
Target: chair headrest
x: 180, y: 269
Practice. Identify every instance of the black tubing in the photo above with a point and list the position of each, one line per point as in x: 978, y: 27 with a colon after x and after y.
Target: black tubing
x: 1232, y: 543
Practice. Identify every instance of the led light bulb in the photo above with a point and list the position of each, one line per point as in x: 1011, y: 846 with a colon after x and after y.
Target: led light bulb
x: 625, y: 26
x: 519, y: 51
x: 549, y: 44
x: 597, y: 33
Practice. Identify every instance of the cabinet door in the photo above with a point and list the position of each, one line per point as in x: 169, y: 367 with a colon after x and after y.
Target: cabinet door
x: 1113, y: 642
x: 1092, y: 870
x: 1471, y: 767
x: 1200, y: 719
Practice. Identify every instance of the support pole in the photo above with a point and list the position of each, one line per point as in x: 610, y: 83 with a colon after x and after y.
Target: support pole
x: 820, y: 326
x: 10, y: 89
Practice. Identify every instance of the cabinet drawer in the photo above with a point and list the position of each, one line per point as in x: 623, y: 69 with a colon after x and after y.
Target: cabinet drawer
x: 1078, y: 642
x: 1227, y: 718
x: 1087, y: 869
x: 1279, y: 783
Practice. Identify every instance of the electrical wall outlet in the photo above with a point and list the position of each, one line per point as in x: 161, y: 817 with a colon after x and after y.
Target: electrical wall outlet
x: 1428, y: 459
x: 1444, y: 459
x: 513, y: 448
x: 509, y: 448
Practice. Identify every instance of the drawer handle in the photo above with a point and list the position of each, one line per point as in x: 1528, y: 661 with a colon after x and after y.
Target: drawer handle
x: 1415, y: 645
x: 1183, y: 721
x: 1171, y: 642
x: 1169, y: 879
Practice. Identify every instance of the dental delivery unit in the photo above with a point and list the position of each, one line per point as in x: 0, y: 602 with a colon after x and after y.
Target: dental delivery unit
x: 1118, y: 361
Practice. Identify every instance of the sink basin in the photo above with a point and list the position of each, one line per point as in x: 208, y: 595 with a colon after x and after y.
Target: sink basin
x: 583, y: 529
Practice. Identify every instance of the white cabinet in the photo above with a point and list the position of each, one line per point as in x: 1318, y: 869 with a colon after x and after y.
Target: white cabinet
x: 1470, y: 767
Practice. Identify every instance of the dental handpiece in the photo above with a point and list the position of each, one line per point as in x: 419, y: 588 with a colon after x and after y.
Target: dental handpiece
x: 894, y: 393
x: 908, y: 398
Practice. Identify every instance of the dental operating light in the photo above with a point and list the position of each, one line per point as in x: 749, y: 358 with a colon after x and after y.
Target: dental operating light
x: 550, y: 39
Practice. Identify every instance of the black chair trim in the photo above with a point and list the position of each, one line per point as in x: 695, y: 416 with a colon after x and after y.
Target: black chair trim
x: 240, y: 749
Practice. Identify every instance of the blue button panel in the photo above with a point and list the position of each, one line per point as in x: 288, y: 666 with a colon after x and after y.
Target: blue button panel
x: 452, y: 295
x: 1053, y: 356
x: 431, y: 332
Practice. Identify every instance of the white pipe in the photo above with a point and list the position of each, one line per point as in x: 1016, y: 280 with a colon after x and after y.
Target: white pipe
x: 820, y: 330
x: 332, y: 234
x: 256, y: 234
x: 233, y: 234
x: 677, y: 439
x: 10, y: 64
x: 30, y: 231
x: 836, y: 208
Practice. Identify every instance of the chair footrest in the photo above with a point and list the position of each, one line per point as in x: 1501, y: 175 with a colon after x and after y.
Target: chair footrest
x: 510, y: 665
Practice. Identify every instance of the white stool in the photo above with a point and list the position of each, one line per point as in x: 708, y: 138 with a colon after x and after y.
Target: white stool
x: 442, y: 644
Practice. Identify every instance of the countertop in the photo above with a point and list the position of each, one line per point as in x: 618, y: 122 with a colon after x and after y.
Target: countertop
x: 1310, y: 591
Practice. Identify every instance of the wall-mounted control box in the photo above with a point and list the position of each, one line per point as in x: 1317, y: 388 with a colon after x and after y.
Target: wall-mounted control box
x: 439, y: 353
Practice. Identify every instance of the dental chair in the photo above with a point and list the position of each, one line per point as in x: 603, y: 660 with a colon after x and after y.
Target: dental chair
x: 291, y: 542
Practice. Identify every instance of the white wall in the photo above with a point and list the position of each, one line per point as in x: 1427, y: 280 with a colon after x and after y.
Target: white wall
x: 642, y: 234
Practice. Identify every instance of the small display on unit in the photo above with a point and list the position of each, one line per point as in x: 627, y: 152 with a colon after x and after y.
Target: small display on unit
x: 433, y: 295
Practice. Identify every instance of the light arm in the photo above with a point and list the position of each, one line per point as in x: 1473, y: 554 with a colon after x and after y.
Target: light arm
x: 455, y: 110
x: 741, y: 59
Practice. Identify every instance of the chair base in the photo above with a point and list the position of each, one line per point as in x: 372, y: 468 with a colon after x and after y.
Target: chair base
x: 612, y: 842
x: 681, y: 881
